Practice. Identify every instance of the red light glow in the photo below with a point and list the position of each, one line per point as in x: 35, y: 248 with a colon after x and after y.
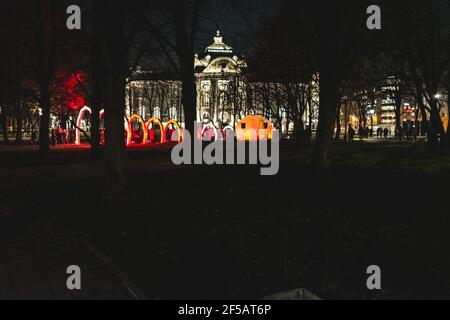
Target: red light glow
x: 175, y: 123
x: 161, y: 127
x: 130, y: 130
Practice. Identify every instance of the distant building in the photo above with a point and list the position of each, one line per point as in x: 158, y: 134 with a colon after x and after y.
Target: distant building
x: 381, y: 107
x: 226, y: 93
x: 221, y: 87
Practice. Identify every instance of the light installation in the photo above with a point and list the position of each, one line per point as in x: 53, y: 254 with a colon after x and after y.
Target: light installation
x: 161, y: 127
x: 179, y: 131
x: 210, y: 126
x: 248, y: 128
x: 80, y: 118
x: 128, y: 126
x: 254, y: 127
x: 73, y: 97
x: 130, y: 129
x: 228, y: 128
x: 225, y: 129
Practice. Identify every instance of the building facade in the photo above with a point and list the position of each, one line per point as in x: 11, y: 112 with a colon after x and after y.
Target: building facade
x: 226, y: 93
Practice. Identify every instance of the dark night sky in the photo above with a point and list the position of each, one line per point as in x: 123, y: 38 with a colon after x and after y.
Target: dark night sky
x: 237, y: 29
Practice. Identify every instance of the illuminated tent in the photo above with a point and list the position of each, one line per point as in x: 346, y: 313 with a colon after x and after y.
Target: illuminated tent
x: 254, y: 127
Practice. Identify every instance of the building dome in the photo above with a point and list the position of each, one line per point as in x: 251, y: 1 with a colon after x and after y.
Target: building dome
x: 219, y: 58
x: 218, y: 46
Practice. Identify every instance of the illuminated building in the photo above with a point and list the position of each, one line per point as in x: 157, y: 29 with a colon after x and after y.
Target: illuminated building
x: 226, y: 93
x: 220, y: 86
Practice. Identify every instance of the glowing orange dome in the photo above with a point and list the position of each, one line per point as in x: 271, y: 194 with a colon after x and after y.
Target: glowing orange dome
x: 254, y: 127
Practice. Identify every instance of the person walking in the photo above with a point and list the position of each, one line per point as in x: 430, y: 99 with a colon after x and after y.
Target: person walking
x: 361, y: 132
x: 53, y: 137
x: 351, y: 133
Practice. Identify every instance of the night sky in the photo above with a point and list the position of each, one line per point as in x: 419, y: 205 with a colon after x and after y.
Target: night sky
x: 236, y: 28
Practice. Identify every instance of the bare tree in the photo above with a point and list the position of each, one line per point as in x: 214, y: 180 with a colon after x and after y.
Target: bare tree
x: 113, y: 53
x: 44, y: 48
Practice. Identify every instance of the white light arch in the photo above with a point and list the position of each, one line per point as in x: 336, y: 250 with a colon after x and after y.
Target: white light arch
x: 80, y: 118
x: 224, y: 130
x: 210, y: 125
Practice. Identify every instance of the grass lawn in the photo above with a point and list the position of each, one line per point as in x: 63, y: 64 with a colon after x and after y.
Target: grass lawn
x: 227, y: 232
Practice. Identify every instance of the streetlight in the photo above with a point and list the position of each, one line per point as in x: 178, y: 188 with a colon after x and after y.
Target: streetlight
x: 371, y: 113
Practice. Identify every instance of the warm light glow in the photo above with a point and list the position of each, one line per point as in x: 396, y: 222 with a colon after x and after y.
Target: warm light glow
x: 73, y: 97
x: 210, y: 126
x: 130, y: 131
x: 161, y: 127
x: 80, y: 117
x: 252, y: 125
x: 127, y: 126
x: 175, y: 123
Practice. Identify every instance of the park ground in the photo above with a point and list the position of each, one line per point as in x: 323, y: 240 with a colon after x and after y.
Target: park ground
x: 227, y: 232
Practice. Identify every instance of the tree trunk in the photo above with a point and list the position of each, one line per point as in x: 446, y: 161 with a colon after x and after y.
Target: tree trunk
x: 189, y: 97
x: 116, y: 163
x: 328, y: 83
x: 398, y: 110
x: 114, y: 56
x: 46, y: 41
x: 436, y: 127
x: 44, y: 141
x: 96, y: 93
x: 185, y: 55
x: 327, y: 97
x: 338, y: 123
x: 448, y: 99
x: 19, y: 123
x: 3, y: 124
x: 424, y: 126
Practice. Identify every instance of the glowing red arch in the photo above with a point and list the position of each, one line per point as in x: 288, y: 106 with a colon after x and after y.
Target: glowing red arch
x: 161, y: 127
x: 175, y: 123
x: 129, y: 131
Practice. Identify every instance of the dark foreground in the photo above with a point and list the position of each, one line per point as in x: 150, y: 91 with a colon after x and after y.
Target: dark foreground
x: 227, y: 232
